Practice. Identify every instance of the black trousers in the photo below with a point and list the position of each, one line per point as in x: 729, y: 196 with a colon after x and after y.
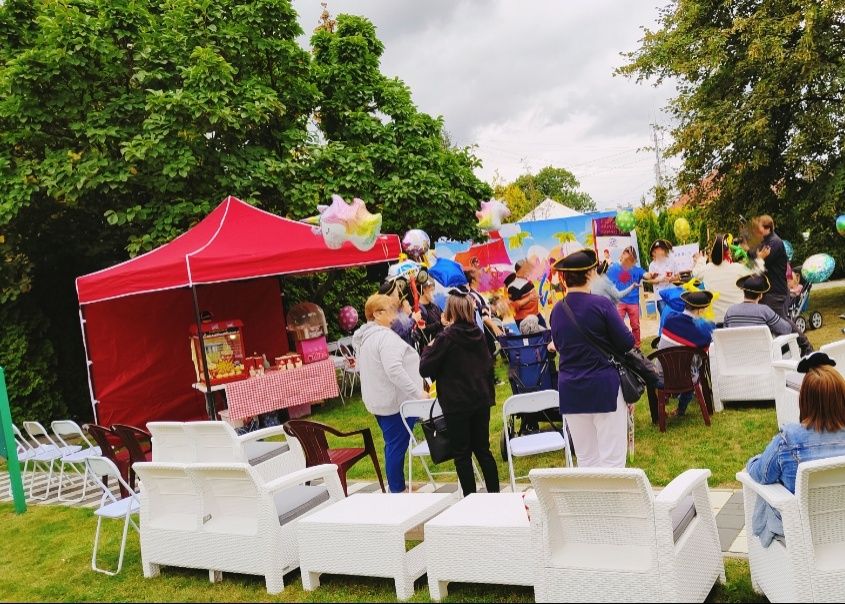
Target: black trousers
x: 780, y: 304
x: 469, y: 434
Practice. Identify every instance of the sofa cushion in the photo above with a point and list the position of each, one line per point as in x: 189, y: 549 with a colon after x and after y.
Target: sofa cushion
x: 260, y: 451
x: 682, y: 515
x: 294, y: 501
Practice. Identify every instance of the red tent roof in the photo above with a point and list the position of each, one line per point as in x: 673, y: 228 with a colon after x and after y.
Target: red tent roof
x: 236, y: 241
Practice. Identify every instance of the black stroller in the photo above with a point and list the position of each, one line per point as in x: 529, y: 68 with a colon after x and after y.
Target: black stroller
x: 531, y: 368
x: 798, y: 307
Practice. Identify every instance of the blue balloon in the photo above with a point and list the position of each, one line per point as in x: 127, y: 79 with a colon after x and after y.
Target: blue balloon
x: 448, y: 273
x: 788, y: 249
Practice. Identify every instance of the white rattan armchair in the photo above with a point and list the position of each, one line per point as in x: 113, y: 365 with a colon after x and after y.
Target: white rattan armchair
x: 600, y: 535
x: 808, y: 565
x: 741, y: 363
x: 789, y: 382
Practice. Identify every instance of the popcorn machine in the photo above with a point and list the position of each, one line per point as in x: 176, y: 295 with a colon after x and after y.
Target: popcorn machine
x: 224, y: 349
x: 307, y: 322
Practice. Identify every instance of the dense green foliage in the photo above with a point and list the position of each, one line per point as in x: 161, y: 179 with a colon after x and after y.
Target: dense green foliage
x: 529, y: 190
x: 760, y: 109
x: 123, y: 123
x: 653, y: 224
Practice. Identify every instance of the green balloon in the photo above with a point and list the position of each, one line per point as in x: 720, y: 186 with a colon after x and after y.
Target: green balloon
x: 625, y: 221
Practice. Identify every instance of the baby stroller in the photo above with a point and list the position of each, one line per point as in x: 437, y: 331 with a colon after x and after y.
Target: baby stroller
x: 798, y: 306
x: 531, y: 368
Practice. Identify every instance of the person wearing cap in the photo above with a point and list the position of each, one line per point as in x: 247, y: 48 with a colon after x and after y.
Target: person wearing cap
x: 459, y: 362
x: 688, y: 328
x: 773, y: 253
x: 623, y: 275
x: 522, y: 294
x: 662, y: 271
x: 820, y: 434
x: 720, y: 275
x: 589, y: 389
x: 750, y: 312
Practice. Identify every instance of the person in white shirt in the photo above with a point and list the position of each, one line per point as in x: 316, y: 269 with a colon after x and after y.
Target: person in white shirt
x: 661, y: 271
x: 720, y: 275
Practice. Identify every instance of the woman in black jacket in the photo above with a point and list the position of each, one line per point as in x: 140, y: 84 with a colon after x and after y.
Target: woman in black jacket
x: 458, y: 360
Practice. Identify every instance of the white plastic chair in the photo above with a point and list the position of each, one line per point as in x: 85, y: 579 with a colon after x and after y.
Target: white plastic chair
x: 65, y: 430
x: 111, y: 507
x: 51, y: 452
x: 741, y: 363
x: 539, y: 442
x: 170, y: 443
x: 217, y: 442
x: 601, y: 535
x: 808, y: 565
x: 788, y: 382
x: 419, y: 448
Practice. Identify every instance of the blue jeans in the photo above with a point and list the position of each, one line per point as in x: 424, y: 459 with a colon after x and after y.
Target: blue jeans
x: 395, y: 446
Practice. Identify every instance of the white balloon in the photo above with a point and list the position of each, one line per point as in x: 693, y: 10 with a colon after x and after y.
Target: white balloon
x: 510, y: 229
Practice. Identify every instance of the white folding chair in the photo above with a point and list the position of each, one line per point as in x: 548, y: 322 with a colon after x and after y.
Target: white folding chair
x: 50, y: 454
x: 65, y: 430
x: 539, y: 442
x: 350, y: 367
x: 111, y: 507
x: 339, y: 362
x: 26, y: 453
x: 421, y: 409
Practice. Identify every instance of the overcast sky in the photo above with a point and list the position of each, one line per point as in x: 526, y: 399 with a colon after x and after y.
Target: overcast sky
x: 530, y: 83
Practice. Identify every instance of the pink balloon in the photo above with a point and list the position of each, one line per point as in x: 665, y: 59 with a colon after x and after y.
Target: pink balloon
x: 348, y: 318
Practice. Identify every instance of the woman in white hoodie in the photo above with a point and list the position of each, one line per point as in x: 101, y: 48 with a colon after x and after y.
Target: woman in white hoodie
x: 390, y: 375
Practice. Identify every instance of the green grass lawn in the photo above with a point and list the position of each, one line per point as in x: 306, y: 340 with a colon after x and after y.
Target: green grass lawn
x: 48, y: 555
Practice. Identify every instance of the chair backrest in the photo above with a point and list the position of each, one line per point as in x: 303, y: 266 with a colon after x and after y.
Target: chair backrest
x: 38, y: 433
x: 820, y: 490
x: 531, y: 402
x: 22, y: 440
x: 133, y: 439
x: 105, y: 439
x: 346, y: 348
x: 230, y: 496
x: 596, y: 506
x: 170, y: 499
x: 676, y: 365
x: 312, y: 438
x: 66, y: 429
x: 171, y: 443
x: 99, y: 467
x: 215, y: 442
x: 421, y: 409
x: 836, y: 351
x: 745, y: 347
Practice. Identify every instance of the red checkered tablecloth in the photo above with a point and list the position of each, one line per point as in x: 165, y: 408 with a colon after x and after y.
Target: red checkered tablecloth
x: 281, y: 389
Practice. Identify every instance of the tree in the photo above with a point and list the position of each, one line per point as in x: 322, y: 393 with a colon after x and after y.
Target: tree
x: 760, y: 108
x: 529, y: 190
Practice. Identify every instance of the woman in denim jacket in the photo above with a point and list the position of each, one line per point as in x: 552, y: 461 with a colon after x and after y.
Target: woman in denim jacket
x: 821, y: 434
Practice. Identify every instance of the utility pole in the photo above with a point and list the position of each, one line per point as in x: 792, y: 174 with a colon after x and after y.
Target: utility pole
x: 658, y: 165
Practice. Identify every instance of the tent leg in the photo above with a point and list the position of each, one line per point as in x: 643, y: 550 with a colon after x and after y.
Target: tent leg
x: 88, y: 363
x: 209, y: 397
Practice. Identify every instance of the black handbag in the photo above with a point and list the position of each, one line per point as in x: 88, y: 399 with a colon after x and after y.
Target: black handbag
x: 437, y: 437
x: 631, y: 383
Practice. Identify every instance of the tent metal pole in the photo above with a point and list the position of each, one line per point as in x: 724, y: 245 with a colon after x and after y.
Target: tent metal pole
x: 88, y: 363
x: 209, y: 397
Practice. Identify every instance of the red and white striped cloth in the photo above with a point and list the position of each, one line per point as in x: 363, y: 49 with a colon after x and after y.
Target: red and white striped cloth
x: 281, y: 389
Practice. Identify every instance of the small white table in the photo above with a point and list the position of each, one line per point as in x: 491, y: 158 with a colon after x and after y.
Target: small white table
x: 484, y: 538
x: 364, y: 535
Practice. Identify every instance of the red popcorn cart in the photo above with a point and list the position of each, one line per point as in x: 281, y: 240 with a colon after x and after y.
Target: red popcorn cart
x: 307, y: 323
x: 224, y: 349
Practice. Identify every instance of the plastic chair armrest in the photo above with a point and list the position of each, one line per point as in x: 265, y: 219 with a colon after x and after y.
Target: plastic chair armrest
x: 260, y: 434
x: 776, y: 495
x: 326, y: 472
x: 683, y: 485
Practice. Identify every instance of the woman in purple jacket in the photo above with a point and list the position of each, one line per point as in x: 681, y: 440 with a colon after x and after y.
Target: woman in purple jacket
x: 590, y: 395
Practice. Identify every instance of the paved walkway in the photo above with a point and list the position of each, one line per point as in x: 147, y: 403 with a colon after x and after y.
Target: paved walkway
x: 727, y: 503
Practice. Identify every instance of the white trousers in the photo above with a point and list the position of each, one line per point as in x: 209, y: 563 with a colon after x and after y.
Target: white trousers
x: 601, y: 439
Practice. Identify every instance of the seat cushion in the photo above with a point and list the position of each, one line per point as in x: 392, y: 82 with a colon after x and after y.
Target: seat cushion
x: 682, y: 515
x: 259, y: 451
x: 293, y: 502
x: 794, y: 379
x: 532, y: 444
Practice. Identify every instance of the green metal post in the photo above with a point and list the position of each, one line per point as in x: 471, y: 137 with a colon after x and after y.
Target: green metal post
x: 7, y: 442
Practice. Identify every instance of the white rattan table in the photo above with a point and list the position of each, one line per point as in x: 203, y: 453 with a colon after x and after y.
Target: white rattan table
x: 364, y: 535
x: 484, y: 538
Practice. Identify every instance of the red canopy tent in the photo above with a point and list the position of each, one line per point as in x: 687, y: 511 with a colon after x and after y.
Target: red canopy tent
x: 135, y: 316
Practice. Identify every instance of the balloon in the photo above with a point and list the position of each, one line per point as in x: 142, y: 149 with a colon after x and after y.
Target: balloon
x: 626, y: 221
x: 790, y: 251
x: 341, y: 222
x: 448, y: 273
x: 491, y: 215
x: 348, y: 318
x: 818, y: 268
x: 401, y: 269
x: 840, y: 225
x: 416, y: 243
x: 682, y: 229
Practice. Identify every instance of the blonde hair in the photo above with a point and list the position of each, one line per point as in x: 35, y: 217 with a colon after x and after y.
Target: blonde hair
x: 378, y: 302
x: 460, y: 309
x: 821, y: 402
